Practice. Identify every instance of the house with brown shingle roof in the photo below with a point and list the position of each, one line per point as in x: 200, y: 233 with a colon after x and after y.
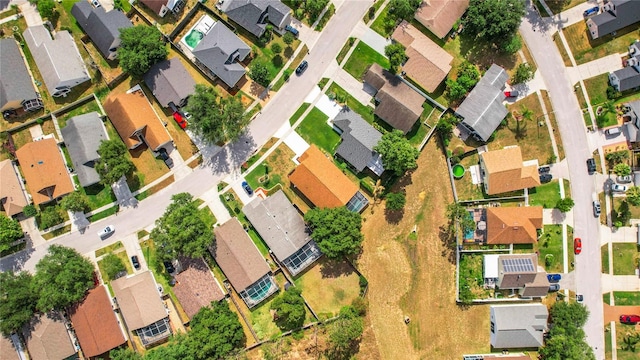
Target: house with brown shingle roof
x: 136, y: 121
x: 7, y: 351
x: 95, y: 323
x: 142, y: 309
x: 504, y: 171
x: 242, y: 264
x: 396, y: 102
x: 47, y: 338
x: 44, y: 170
x: 428, y: 64
x: 322, y: 183
x: 439, y: 16
x: 521, y: 272
x: 12, y: 198
x: 195, y: 286
x: 506, y: 225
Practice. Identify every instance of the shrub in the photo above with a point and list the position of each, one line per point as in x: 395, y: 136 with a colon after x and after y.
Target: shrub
x: 612, y: 93
x: 396, y: 201
x: 276, y: 48
x: 29, y: 211
x: 366, y: 186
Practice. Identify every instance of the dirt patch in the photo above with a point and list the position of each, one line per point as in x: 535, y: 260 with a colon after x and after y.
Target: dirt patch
x: 612, y: 313
x: 146, y: 164
x: 414, y: 275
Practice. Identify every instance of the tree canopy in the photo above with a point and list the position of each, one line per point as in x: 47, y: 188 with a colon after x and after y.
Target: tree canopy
x: 343, y: 335
x: 458, y: 214
x: 63, y: 276
x: 403, y: 9
x: 113, y: 162
x: 46, y: 8
x: 290, y: 309
x: 182, y: 229
x: 398, y: 155
x: 112, y: 265
x: 622, y: 169
x: 633, y: 195
x: 259, y: 73
x: 395, y: 201
x: 467, y: 77
x: 567, y: 339
x: 18, y: 300
x: 141, y: 46
x: 336, y: 231
x: 10, y: 231
x: 564, y: 205
x: 495, y: 21
x: 397, y: 56
x: 49, y: 217
x: 524, y: 73
x: 75, y: 202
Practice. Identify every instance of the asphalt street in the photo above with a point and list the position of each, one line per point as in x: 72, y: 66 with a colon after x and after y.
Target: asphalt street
x: 538, y: 36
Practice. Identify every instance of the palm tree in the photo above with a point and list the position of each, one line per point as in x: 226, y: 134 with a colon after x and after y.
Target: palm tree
x: 630, y: 341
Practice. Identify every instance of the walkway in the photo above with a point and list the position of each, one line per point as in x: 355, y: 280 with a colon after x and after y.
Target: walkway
x: 370, y: 37
x: 353, y: 86
x: 31, y: 14
x: 596, y: 67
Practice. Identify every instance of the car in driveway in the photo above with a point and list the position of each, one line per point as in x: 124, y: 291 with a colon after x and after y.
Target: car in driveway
x: 596, y: 208
x: 302, y: 67
x: 577, y: 246
x: 545, y: 178
x: 292, y: 30
x: 164, y: 156
x: 180, y: 120
x: 591, y: 11
x: 591, y: 165
x: 169, y: 267
x: 544, y: 169
x: 630, y: 319
x: 106, y: 232
x: 625, y: 179
x: 554, y: 287
x: 618, y: 188
x: 554, y: 277
x: 512, y: 93
x: 247, y: 188
x: 135, y: 262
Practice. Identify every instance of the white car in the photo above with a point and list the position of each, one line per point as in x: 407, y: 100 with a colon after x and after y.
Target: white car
x: 96, y: 4
x: 619, y: 188
x: 625, y: 179
x: 108, y: 230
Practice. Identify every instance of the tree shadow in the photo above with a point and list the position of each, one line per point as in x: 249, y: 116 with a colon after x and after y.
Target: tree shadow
x: 15, y: 262
x: 448, y: 241
x: 335, y: 268
x: 393, y: 216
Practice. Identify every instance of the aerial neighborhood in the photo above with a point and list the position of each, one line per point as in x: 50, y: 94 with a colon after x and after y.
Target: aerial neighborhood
x: 320, y: 179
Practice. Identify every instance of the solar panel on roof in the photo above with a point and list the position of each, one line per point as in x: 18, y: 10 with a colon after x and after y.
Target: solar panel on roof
x: 518, y: 265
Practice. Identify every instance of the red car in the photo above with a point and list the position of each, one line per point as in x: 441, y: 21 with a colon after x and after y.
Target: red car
x: 180, y: 120
x: 577, y: 246
x: 512, y: 93
x: 630, y: 319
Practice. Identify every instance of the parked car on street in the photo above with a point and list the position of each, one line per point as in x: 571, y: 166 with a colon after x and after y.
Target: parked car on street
x: 247, y: 188
x: 302, y: 67
x: 591, y: 11
x: 579, y: 298
x: 512, y: 93
x: 618, y: 188
x: 577, y: 246
x: 596, y: 208
x: 591, y: 165
x: 135, y: 262
x: 106, y: 232
x: 630, y: 319
x: 554, y: 277
x: 625, y: 179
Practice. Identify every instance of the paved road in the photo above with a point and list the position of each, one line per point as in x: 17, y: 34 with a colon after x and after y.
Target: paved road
x: 574, y: 139
x: 225, y: 162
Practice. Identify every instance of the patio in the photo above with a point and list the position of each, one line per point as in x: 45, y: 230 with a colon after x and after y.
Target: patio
x: 479, y: 235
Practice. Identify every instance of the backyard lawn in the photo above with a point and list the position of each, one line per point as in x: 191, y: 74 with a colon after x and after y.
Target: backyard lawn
x: 545, y: 195
x: 623, y: 258
x: 315, y: 130
x: 550, y: 248
x: 585, y: 49
x: 626, y: 298
x: 361, y: 57
x: 464, y: 187
x: 85, y: 108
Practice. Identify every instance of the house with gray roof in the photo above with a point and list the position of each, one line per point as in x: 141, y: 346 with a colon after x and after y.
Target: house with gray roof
x: 518, y: 326
x: 628, y: 77
x: 482, y: 111
x: 82, y: 137
x: 520, y: 272
x: 17, y: 90
x: 281, y: 226
x: 170, y: 82
x: 254, y: 15
x: 101, y: 26
x: 220, y: 51
x: 58, y: 59
x: 358, y: 140
x: 632, y: 121
x: 615, y: 15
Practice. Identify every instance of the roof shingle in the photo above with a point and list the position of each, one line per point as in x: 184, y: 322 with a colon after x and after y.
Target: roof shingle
x: 170, y: 81
x: 139, y: 300
x: 439, y: 16
x: 82, y: 137
x: 15, y: 80
x: 11, y: 195
x: 505, y: 171
x: 46, y: 337
x: 513, y: 225
x: 195, y: 286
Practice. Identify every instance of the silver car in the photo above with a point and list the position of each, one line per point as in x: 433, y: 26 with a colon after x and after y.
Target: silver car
x: 625, y: 179
x: 106, y: 232
x: 619, y: 188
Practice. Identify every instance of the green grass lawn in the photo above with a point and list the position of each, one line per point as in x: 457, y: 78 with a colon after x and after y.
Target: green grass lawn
x: 103, y: 214
x: 361, y: 57
x: 315, y: 130
x: 256, y: 178
x: 380, y: 24
x: 107, y: 249
x: 261, y: 318
x: 122, y: 255
x: 550, y: 244
x: 98, y: 195
x: 623, y: 262
x: 597, y: 89
x: 627, y: 298
x: 585, y: 49
x: 345, y: 49
x: 545, y: 195
x: 558, y: 6
x: 345, y: 98
x: 298, y: 113
x: 604, y: 253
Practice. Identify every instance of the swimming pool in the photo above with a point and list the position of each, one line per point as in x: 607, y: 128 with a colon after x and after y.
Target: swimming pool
x: 193, y: 38
x: 469, y: 233
x: 198, y: 32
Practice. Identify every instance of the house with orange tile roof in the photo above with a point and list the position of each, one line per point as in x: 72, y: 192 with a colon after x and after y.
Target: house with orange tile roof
x: 44, y: 170
x: 507, y: 225
x: 439, y: 16
x: 323, y: 184
x: 504, y: 171
x: 136, y: 121
x: 428, y: 63
x: 95, y: 323
x: 12, y: 198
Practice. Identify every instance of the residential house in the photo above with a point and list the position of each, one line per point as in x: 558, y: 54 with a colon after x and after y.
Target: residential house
x: 506, y: 356
x: 439, y: 16
x: 7, y: 350
x: 358, y: 140
x: 46, y: 337
x: 17, y: 90
x: 44, y: 170
x: 12, y: 198
x: 628, y: 77
x: 615, y: 15
x: 323, y: 184
x: 95, y: 323
x: 220, y: 52
x: 170, y: 82
x: 82, y: 137
x: 518, y: 326
x: 504, y: 171
x: 242, y: 263
x: 632, y: 121
x: 162, y: 7
x: 428, y: 64
x: 101, y: 26
x: 141, y: 307
x: 195, y: 286
x: 521, y: 272
x: 255, y: 15
x: 518, y: 225
x: 58, y: 59
x: 396, y: 102
x: 281, y: 226
x: 482, y: 110
x: 136, y: 121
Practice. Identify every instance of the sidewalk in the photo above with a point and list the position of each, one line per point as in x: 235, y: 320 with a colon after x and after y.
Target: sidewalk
x: 370, y: 37
x: 354, y: 87
x: 31, y: 14
x: 596, y: 67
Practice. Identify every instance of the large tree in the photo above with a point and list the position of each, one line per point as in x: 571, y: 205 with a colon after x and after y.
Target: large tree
x: 495, y: 21
x: 564, y: 205
x: 113, y: 162
x: 343, y: 335
x: 46, y: 8
x: 336, y: 230
x: 182, y: 230
x: 112, y: 265
x: 566, y: 340
x: 397, y: 56
x: 75, y: 202
x: 18, y: 300
x: 290, y: 309
x: 141, y: 46
x: 259, y: 73
x: 215, y: 332
x: 633, y: 195
x: 398, y: 155
x: 10, y: 231
x: 63, y: 277
x: 459, y: 215
x: 234, y: 120
x: 403, y: 9
x: 315, y: 7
